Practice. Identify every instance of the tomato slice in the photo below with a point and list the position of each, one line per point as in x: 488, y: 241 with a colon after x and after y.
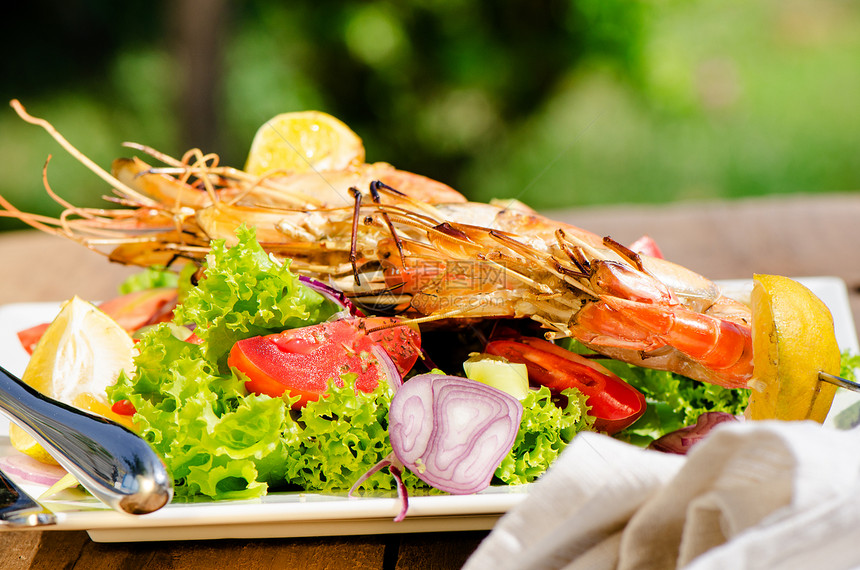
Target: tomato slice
x: 615, y: 404
x: 123, y: 408
x: 30, y: 337
x: 402, y: 343
x: 306, y: 359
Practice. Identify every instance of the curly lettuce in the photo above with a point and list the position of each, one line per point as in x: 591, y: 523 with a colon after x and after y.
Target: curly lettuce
x: 545, y: 430
x: 344, y: 435
x: 674, y: 401
x: 153, y: 277
x: 245, y: 293
x: 211, y: 433
x: 217, y: 439
x: 849, y: 418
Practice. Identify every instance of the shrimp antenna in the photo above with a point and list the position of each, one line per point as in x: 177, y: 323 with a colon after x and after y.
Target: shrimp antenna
x: 374, y: 195
x: 353, y: 246
x: 79, y: 156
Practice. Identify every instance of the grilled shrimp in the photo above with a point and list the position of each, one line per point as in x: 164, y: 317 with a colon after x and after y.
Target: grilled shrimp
x: 401, y: 242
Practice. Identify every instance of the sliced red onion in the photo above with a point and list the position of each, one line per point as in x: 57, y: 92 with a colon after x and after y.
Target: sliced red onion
x: 395, y: 468
x: 333, y: 295
x: 28, y: 469
x: 680, y: 441
x: 425, y: 358
x: 452, y: 432
x: 387, y: 367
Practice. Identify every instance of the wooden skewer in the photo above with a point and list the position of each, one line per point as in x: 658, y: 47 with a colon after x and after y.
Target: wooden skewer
x: 839, y: 381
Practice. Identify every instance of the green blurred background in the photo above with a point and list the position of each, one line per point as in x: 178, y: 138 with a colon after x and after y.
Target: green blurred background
x: 556, y: 102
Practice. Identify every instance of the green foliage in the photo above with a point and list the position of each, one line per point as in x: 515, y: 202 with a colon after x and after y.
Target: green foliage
x: 344, y: 435
x: 555, y: 102
x: 149, y: 278
x: 674, y: 401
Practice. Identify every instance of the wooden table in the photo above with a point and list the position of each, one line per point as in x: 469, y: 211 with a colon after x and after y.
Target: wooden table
x: 797, y: 236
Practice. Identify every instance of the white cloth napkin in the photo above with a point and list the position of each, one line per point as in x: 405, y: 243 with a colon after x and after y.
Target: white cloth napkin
x: 750, y: 495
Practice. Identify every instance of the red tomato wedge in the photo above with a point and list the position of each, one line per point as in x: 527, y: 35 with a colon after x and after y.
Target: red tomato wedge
x: 648, y: 246
x: 614, y: 403
x: 131, y: 311
x: 306, y: 359
x: 29, y: 338
x: 123, y: 408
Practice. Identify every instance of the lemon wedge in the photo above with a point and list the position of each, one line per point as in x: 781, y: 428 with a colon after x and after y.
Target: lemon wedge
x: 24, y: 442
x: 81, y: 353
x: 303, y: 142
x: 793, y: 339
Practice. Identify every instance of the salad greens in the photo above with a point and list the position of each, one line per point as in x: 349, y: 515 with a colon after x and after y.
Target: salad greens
x: 220, y: 441
x: 674, y: 401
x: 344, y: 435
x: 246, y: 294
x: 152, y: 277
x: 209, y: 431
x: 545, y: 430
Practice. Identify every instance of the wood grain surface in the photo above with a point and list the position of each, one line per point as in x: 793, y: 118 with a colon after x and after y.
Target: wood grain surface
x: 796, y: 236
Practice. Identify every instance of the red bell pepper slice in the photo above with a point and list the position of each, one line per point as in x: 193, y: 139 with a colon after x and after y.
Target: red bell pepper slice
x: 306, y: 359
x: 614, y: 403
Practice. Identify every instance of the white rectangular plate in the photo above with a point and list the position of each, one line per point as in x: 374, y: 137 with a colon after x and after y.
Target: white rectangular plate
x: 308, y: 514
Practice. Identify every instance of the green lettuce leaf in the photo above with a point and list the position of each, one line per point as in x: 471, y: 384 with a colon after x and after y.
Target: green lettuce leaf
x: 154, y: 277
x: 849, y: 365
x: 345, y: 434
x: 674, y: 401
x: 217, y: 439
x: 208, y: 429
x: 245, y: 293
x: 545, y: 430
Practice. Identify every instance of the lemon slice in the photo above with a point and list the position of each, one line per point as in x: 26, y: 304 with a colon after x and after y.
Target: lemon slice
x: 81, y: 353
x: 793, y: 339
x: 303, y: 142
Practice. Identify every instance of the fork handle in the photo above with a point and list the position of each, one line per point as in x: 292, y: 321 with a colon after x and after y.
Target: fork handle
x: 113, y: 463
